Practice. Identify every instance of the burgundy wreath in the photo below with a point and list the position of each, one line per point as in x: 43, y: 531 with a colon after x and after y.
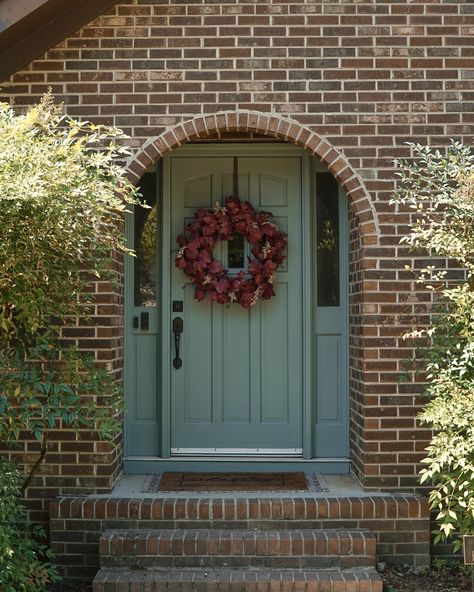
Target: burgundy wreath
x: 195, y: 255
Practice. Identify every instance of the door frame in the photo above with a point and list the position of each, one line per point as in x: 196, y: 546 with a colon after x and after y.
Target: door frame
x: 309, y: 166
x: 192, y: 156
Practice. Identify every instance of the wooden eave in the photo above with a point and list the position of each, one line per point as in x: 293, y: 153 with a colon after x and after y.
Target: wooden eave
x: 28, y: 28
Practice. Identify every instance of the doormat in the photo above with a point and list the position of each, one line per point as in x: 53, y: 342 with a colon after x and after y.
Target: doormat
x: 170, y: 482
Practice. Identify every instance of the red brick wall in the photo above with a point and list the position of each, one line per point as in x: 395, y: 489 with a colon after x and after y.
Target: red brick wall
x: 79, y: 462
x: 357, y: 421
x: 364, y: 76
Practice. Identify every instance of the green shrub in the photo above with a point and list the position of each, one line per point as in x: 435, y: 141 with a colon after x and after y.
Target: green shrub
x: 439, y: 189
x: 49, y: 393
x: 24, y: 562
x: 62, y: 201
x: 63, y: 196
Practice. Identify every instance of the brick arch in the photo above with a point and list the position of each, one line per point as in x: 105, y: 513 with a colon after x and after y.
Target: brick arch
x: 273, y: 125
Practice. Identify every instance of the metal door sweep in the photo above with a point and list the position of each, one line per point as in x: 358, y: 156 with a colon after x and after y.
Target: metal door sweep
x: 237, y: 451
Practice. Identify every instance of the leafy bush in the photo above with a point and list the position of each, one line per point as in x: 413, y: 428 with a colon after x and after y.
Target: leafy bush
x: 62, y: 201
x: 39, y: 393
x: 24, y: 562
x: 439, y: 188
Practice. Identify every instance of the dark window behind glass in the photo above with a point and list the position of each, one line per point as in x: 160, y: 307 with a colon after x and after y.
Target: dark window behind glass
x: 327, y: 239
x: 145, y: 244
x: 236, y: 252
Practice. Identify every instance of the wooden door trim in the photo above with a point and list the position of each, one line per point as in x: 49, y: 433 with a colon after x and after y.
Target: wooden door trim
x: 309, y: 167
x: 165, y: 367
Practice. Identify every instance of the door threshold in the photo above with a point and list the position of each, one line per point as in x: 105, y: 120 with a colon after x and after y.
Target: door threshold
x: 237, y: 452
x: 135, y: 465
x: 265, y: 458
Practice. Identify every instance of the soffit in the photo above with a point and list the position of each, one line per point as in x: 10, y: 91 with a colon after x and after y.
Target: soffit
x: 28, y: 28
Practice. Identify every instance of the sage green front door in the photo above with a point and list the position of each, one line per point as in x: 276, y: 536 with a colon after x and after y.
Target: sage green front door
x: 239, y: 389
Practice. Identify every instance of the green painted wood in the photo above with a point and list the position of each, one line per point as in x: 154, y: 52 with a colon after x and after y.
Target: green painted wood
x: 140, y: 466
x: 143, y: 411
x: 323, y: 364
x: 164, y: 363
x: 331, y: 359
x: 241, y: 381
x: 142, y: 392
x: 307, y: 282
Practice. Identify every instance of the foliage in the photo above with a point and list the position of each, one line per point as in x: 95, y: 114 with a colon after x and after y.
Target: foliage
x: 62, y: 198
x: 24, y: 562
x: 53, y: 392
x: 439, y: 188
x: 145, y: 262
x: 454, y: 567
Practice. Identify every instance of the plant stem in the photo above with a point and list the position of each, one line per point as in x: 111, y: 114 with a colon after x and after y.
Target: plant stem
x: 39, y: 460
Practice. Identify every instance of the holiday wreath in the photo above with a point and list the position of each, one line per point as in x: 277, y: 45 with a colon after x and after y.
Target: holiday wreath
x: 195, y: 255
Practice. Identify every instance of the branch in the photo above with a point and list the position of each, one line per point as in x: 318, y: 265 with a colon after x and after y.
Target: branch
x: 39, y: 460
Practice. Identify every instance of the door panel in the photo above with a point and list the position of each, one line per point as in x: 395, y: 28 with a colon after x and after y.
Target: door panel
x: 143, y: 414
x: 240, y: 386
x: 274, y: 359
x: 331, y: 343
x: 144, y: 360
x: 236, y: 385
x: 197, y: 361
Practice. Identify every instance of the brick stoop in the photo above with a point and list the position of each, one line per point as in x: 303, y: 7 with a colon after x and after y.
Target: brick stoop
x: 299, y: 549
x: 206, y: 559
x: 276, y: 534
x: 262, y: 580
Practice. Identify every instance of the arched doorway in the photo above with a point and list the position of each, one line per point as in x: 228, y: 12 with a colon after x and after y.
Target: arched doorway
x: 259, y: 384
x: 258, y: 388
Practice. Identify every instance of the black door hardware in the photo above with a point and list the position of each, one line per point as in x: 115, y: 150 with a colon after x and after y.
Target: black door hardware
x: 177, y: 330
x: 177, y: 306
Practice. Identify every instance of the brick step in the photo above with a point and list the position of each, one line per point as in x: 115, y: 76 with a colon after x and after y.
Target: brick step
x: 265, y: 580
x: 304, y: 549
x: 400, y: 522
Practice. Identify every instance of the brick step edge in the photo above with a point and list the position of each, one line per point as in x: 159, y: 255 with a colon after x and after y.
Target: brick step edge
x: 237, y: 542
x: 116, y: 580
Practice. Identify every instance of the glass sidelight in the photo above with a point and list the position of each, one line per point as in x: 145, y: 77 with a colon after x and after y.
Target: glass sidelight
x: 331, y: 320
x: 327, y: 240
x: 145, y: 264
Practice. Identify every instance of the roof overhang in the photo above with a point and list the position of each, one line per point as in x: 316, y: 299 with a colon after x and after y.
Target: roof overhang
x: 28, y: 28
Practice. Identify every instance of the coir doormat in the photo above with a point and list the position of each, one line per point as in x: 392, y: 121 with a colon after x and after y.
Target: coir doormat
x: 232, y: 482
x: 212, y: 482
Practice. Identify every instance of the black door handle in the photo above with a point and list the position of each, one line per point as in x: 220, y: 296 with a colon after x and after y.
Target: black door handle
x: 177, y: 330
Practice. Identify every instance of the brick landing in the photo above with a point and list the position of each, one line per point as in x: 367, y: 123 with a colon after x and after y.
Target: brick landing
x: 400, y: 522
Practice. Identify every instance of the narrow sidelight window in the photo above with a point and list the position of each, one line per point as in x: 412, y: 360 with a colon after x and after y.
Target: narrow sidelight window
x: 145, y: 244
x: 327, y: 240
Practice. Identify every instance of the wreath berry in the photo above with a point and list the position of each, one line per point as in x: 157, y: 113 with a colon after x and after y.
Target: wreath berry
x: 211, y: 279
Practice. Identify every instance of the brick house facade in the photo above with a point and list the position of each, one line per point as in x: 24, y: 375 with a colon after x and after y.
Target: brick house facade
x: 350, y: 82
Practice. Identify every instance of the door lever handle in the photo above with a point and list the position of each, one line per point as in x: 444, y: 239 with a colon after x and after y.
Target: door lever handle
x: 177, y: 330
